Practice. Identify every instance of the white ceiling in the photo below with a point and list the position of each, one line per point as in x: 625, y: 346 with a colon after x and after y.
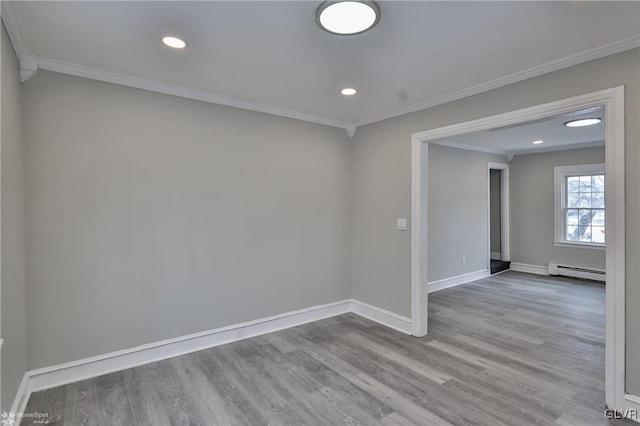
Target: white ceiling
x: 273, y: 54
x: 518, y: 139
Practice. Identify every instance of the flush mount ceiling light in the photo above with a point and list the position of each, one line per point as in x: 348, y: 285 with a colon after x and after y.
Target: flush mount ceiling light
x: 348, y: 91
x: 347, y: 17
x: 537, y: 142
x: 583, y: 122
x: 174, y: 42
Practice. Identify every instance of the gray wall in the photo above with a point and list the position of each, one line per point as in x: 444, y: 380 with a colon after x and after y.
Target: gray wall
x: 532, y: 210
x: 382, y: 181
x: 144, y: 210
x: 151, y: 216
x: 12, y: 283
x: 458, y: 204
x: 494, y: 209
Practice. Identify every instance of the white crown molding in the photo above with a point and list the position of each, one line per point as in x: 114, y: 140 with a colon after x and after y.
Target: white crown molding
x: 28, y: 67
x: 566, y: 62
x: 30, y: 63
x: 15, y: 34
x: 11, y: 24
x: 351, y: 130
x: 183, y: 92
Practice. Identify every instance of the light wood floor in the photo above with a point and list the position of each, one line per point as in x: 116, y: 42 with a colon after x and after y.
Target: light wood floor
x: 513, y: 349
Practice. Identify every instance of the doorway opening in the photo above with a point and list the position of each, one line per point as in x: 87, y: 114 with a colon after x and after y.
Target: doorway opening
x: 498, y: 214
x: 612, y: 100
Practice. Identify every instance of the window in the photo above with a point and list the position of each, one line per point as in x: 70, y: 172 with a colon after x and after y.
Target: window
x: 580, y: 206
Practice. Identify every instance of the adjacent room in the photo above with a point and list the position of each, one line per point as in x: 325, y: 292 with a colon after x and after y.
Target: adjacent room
x: 322, y: 213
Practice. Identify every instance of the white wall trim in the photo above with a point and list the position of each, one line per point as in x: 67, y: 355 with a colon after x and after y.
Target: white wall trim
x: 457, y: 280
x: 51, y: 64
x: 28, y: 67
x: 613, y: 102
x: 58, y: 375
x: 13, y: 29
x: 632, y: 402
x: 419, y: 238
x: 560, y: 173
x: 183, y: 92
x: 632, y: 398
x: 505, y: 220
x: 566, y: 62
x: 615, y: 254
x: 529, y: 269
x: 22, y: 396
x: 577, y: 245
x: 382, y: 316
x: 48, y: 377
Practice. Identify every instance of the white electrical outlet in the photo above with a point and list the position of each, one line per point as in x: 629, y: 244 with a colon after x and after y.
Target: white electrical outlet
x: 401, y: 224
x: 464, y: 260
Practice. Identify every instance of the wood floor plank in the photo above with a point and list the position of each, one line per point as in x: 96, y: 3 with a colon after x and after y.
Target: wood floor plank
x: 511, y: 349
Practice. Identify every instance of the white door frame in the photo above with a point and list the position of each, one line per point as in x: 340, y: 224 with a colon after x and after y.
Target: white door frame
x: 613, y: 102
x: 505, y: 226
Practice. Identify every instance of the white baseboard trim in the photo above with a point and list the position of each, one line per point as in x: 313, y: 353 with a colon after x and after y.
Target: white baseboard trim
x: 381, y: 316
x: 631, y: 403
x: 457, y: 280
x: 62, y: 374
x: 22, y: 397
x: 58, y: 375
x: 529, y: 269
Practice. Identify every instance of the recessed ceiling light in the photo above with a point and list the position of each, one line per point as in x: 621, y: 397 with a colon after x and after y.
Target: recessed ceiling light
x: 537, y: 142
x: 348, y: 91
x: 347, y: 17
x: 583, y: 122
x: 174, y: 42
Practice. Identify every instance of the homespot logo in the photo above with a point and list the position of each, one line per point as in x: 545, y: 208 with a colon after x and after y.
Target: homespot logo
x: 10, y: 418
x: 627, y: 413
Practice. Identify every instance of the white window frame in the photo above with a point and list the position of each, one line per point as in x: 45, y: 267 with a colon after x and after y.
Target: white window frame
x: 560, y: 175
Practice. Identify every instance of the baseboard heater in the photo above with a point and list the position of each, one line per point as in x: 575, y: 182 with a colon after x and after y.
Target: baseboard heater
x: 576, y: 272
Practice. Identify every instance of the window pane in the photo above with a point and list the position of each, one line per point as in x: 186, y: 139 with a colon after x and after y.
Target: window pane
x: 597, y: 182
x: 598, y: 234
x: 585, y: 199
x: 585, y: 204
x: 597, y: 200
x: 585, y: 183
x: 573, y: 184
x: 598, y: 218
x: 573, y: 199
x: 584, y: 222
x: 585, y: 234
x: 572, y: 233
x: 572, y: 216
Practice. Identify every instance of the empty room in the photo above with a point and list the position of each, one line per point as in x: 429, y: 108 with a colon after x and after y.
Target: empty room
x: 320, y: 213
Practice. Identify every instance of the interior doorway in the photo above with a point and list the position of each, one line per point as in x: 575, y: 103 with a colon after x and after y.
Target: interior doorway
x: 612, y: 100
x: 498, y: 215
